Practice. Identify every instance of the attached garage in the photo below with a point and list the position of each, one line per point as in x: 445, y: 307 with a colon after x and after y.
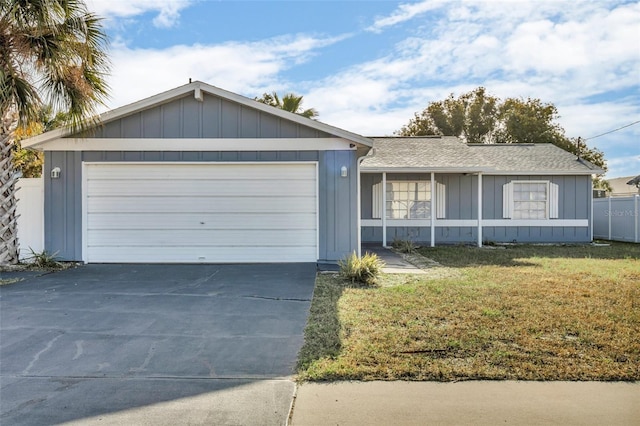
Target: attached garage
x: 195, y: 212
x: 201, y: 175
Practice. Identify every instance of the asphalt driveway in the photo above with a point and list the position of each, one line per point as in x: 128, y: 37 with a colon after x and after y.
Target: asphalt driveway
x: 153, y: 344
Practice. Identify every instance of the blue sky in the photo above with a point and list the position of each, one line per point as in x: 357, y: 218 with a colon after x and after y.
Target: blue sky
x: 368, y: 66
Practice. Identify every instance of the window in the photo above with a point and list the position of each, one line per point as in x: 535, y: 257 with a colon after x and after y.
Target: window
x: 529, y: 200
x: 408, y: 200
x: 532, y: 200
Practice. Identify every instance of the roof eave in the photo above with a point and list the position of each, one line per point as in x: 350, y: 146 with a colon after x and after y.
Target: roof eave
x: 381, y: 169
x: 484, y: 170
x: 548, y: 172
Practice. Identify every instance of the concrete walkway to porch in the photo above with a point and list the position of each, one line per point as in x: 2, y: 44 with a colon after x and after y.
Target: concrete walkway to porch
x: 394, y: 262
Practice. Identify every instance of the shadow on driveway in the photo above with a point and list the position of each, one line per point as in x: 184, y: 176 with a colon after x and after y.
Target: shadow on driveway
x: 214, y: 342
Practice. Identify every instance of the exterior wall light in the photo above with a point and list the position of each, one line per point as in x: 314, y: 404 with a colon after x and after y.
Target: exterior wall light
x: 343, y: 171
x: 55, y: 173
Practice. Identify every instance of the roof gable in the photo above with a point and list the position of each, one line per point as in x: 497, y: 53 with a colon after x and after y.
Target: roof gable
x: 199, y: 110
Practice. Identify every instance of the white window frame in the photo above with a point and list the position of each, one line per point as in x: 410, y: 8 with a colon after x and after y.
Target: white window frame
x: 440, y: 201
x: 402, y: 201
x: 509, y: 202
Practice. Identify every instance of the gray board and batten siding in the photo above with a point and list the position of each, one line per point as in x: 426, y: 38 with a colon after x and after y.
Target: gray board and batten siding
x: 214, y: 117
x: 462, y: 204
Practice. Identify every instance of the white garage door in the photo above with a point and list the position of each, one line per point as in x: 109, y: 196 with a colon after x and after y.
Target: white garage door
x: 188, y: 213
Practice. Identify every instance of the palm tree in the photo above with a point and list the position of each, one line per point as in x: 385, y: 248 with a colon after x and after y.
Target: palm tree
x: 51, y: 51
x: 290, y: 102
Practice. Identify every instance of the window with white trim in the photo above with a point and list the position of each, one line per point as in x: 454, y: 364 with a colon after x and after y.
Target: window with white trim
x: 530, y: 200
x: 408, y: 200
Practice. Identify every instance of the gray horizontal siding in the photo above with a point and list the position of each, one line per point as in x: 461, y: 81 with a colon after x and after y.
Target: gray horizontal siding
x: 337, y: 195
x: 214, y: 117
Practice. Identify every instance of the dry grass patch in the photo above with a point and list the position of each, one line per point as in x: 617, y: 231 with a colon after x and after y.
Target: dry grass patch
x: 529, y: 313
x: 9, y: 281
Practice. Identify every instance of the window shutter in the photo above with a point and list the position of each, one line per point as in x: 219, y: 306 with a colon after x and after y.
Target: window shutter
x: 441, y: 201
x: 553, y: 201
x: 376, y: 204
x: 507, y: 200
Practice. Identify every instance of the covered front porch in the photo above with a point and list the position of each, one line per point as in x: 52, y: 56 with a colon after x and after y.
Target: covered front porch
x: 428, y: 208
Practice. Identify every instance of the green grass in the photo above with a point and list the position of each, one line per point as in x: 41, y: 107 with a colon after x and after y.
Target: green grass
x: 522, y: 312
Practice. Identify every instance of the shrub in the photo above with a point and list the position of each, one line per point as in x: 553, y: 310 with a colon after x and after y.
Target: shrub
x: 363, y: 269
x: 44, y: 259
x: 404, y: 246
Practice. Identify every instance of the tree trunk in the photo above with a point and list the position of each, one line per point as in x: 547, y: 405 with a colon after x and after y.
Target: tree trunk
x: 8, y: 202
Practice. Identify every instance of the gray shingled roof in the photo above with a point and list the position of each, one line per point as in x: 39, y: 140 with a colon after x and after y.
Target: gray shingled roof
x: 450, y: 153
x: 445, y: 152
x: 542, y: 157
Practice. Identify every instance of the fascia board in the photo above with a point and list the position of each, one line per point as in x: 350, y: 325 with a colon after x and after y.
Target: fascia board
x: 198, y: 144
x: 486, y: 171
x: 424, y: 170
x: 548, y: 172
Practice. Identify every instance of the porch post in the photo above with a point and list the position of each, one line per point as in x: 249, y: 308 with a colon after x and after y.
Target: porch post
x: 384, y: 209
x: 434, y: 209
x: 479, y: 209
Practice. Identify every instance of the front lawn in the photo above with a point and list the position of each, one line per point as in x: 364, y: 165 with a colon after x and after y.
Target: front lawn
x: 520, y: 312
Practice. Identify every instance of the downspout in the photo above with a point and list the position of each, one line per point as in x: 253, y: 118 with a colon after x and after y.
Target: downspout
x: 359, y: 206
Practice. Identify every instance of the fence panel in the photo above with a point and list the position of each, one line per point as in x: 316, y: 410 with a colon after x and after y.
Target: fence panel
x: 30, y: 209
x: 617, y: 219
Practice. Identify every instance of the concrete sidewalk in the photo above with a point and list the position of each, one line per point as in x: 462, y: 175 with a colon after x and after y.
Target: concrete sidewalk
x: 466, y: 403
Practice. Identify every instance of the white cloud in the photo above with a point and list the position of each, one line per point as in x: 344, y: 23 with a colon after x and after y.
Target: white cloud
x: 242, y: 67
x: 570, y: 54
x: 403, y: 13
x: 623, y: 166
x: 168, y: 10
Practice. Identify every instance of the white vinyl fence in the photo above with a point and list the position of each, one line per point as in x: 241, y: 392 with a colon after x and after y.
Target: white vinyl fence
x: 30, y: 209
x: 617, y: 219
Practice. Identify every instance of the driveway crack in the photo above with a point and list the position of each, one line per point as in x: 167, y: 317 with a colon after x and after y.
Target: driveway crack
x: 36, y: 357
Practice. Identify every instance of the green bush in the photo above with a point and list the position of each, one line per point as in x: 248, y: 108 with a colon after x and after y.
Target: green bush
x: 404, y: 246
x: 363, y: 269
